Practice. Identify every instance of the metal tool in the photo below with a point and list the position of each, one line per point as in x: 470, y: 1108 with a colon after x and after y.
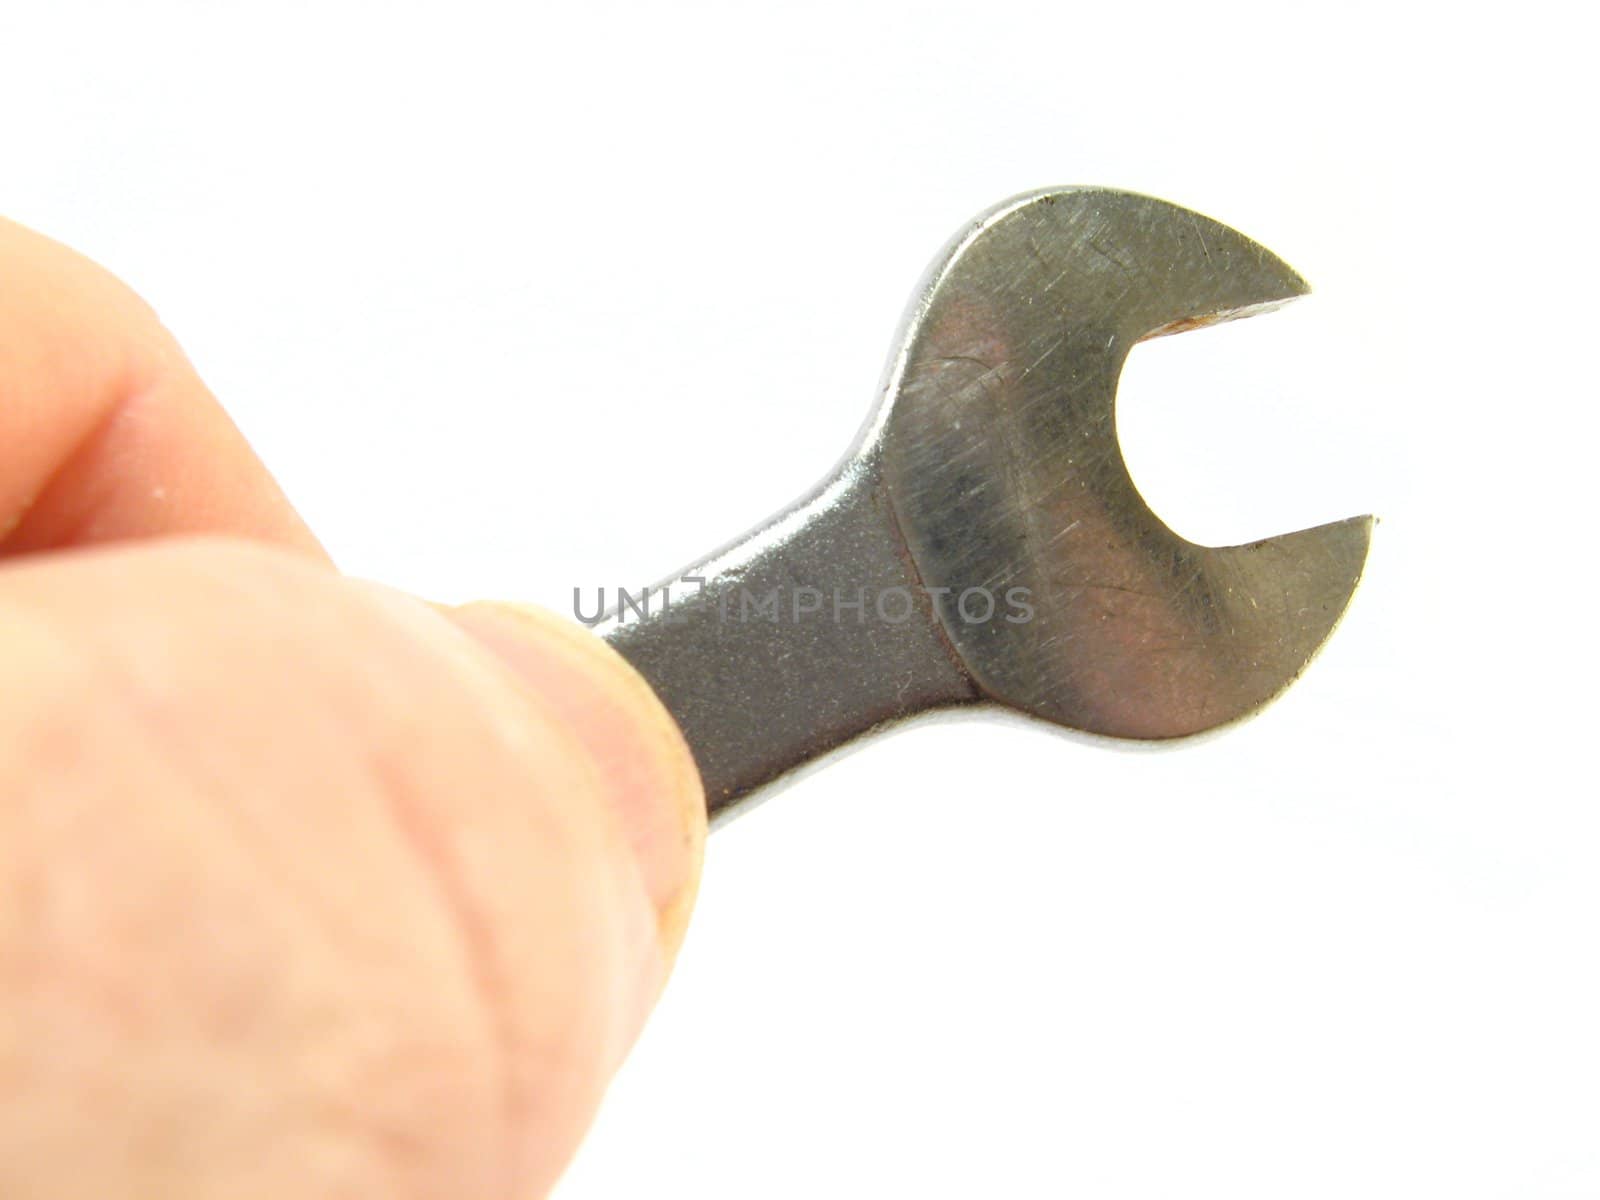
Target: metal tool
x: 982, y: 543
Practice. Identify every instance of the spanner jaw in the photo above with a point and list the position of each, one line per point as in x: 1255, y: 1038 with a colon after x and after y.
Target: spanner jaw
x: 1000, y: 458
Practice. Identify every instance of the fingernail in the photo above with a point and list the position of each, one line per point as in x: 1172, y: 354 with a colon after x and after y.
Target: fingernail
x: 646, y: 766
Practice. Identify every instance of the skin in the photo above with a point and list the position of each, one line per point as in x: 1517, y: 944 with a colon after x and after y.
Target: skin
x: 307, y: 888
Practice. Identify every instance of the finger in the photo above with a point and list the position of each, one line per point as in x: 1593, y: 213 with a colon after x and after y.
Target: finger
x: 303, y: 891
x: 106, y: 432
x: 569, y: 667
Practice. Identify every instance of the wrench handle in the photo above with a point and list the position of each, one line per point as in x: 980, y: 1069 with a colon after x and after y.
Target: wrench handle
x: 808, y: 632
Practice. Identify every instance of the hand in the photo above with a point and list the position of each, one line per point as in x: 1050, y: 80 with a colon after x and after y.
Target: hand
x: 307, y: 888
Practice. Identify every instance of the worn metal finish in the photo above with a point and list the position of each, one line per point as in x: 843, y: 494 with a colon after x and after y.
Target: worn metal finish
x: 991, y: 464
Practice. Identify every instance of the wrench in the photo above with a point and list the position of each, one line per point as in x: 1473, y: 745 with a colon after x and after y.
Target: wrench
x: 982, y: 543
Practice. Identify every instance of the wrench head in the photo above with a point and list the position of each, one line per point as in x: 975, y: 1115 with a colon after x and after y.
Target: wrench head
x: 996, y: 440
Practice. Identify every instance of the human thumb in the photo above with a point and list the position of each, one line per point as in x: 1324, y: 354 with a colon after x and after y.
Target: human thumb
x: 308, y: 888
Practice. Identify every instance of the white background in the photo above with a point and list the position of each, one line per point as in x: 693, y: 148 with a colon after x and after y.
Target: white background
x: 515, y: 298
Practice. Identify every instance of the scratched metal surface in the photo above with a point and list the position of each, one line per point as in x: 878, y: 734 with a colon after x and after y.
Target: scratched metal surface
x: 990, y: 468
